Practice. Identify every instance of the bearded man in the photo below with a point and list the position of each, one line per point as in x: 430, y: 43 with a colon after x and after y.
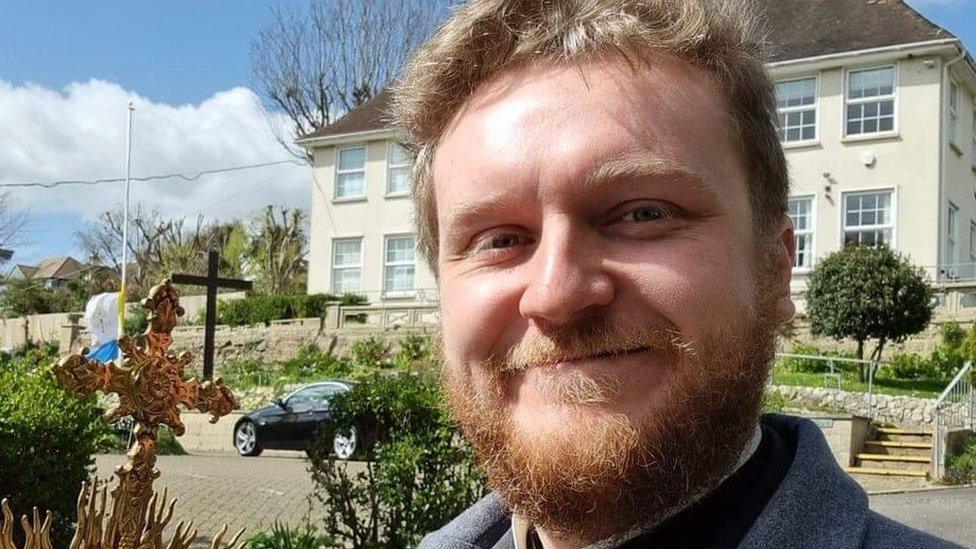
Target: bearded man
x: 602, y: 194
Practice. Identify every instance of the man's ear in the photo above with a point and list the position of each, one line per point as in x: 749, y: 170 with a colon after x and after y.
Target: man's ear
x: 783, y: 261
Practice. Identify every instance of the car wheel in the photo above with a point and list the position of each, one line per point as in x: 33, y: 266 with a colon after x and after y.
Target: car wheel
x: 246, y: 439
x: 344, y: 445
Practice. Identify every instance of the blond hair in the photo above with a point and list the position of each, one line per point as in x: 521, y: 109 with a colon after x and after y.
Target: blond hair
x: 486, y: 37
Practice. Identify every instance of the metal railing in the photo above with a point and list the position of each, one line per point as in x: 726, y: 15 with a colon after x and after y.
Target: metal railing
x: 954, y: 409
x: 951, y: 272
x: 832, y: 375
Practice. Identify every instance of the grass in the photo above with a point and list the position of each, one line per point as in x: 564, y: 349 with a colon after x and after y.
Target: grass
x: 921, y: 388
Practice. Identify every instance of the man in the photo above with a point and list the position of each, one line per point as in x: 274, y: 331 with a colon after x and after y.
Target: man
x: 601, y: 191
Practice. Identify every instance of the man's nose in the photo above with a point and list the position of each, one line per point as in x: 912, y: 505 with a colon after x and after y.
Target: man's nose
x: 567, y: 279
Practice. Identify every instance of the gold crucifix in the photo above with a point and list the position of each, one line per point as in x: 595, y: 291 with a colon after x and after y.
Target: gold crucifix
x: 150, y: 387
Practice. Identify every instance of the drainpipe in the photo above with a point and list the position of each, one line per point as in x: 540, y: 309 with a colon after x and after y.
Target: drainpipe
x: 943, y: 153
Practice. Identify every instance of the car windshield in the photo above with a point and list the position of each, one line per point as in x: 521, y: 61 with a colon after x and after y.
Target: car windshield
x: 315, y: 393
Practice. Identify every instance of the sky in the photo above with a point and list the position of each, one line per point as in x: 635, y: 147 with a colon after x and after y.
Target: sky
x: 68, y: 69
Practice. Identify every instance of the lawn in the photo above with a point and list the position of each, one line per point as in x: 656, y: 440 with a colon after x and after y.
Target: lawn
x: 922, y: 388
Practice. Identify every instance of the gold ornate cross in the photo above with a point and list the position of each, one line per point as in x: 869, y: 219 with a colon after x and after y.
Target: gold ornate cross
x: 150, y: 387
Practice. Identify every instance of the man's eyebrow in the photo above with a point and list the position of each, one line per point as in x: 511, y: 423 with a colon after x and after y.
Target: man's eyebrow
x: 491, y: 201
x: 645, y: 165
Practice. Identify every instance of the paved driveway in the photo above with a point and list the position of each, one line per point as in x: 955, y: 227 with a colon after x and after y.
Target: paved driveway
x: 254, y: 492
x: 949, y: 513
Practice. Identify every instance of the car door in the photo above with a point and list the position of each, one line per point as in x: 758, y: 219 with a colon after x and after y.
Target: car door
x: 300, y: 407
x: 316, y: 412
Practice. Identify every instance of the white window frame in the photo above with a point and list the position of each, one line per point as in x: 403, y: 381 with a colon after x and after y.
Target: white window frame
x: 811, y: 232
x: 338, y: 172
x: 972, y: 242
x: 848, y: 101
x: 390, y: 166
x: 953, y: 111
x: 972, y: 159
x: 359, y: 266
x: 952, y: 236
x: 842, y: 225
x: 815, y: 107
x: 387, y: 264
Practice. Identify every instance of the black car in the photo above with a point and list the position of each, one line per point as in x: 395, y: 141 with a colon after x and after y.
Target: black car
x: 290, y: 423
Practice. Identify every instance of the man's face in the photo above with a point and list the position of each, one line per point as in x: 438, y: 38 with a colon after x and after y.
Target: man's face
x: 599, y: 277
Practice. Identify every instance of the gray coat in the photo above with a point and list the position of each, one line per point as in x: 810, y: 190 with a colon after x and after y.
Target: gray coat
x: 816, y: 506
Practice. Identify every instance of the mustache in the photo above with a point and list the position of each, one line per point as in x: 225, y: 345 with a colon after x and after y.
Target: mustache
x: 594, y: 339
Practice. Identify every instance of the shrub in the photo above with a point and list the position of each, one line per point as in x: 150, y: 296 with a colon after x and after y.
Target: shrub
x: 945, y: 361
x: 952, y: 334
x: 370, y: 352
x: 961, y: 467
x: 47, y: 438
x: 245, y: 373
x: 418, y: 476
x: 313, y: 363
x: 262, y: 309
x: 282, y: 536
x: 911, y: 366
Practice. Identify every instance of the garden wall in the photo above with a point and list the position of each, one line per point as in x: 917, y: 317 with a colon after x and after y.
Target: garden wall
x: 898, y: 410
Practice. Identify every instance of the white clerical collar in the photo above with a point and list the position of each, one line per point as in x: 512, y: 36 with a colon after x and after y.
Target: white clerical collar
x: 521, y: 527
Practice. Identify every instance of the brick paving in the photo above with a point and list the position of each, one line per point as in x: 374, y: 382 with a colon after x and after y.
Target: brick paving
x: 254, y: 492
x: 244, y: 492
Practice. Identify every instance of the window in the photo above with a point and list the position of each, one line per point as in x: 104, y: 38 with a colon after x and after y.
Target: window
x: 973, y: 159
x: 316, y: 394
x: 398, y: 171
x: 972, y: 241
x: 398, y: 265
x: 351, y: 173
x: 347, y: 265
x: 796, y: 104
x: 870, y: 101
x: 951, y: 236
x: 801, y: 212
x: 953, y: 112
x: 868, y: 218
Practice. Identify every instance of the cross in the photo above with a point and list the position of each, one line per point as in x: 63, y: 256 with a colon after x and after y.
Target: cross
x: 212, y: 282
x: 150, y: 387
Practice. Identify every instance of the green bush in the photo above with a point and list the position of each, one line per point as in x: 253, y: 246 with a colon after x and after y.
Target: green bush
x: 945, y: 361
x: 263, y: 309
x: 804, y: 365
x: 282, y: 536
x: 961, y: 467
x: 246, y: 373
x: 952, y: 334
x: 418, y: 476
x: 313, y: 363
x: 47, y: 438
x: 370, y: 352
x: 911, y: 366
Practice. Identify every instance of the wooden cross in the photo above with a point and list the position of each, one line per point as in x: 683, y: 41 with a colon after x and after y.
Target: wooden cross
x: 212, y: 283
x: 150, y: 387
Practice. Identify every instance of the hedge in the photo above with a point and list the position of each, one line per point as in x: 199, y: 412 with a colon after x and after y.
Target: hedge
x: 262, y: 309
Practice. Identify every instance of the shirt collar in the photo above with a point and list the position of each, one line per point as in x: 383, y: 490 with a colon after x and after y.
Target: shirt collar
x: 522, y: 527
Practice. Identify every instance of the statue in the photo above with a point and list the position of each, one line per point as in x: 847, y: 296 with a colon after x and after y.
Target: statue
x: 150, y: 387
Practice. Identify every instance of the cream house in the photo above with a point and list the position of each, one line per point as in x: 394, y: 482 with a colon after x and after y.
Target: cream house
x: 877, y: 110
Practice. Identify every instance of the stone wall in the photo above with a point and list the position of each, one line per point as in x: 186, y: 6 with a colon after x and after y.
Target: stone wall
x: 898, y: 410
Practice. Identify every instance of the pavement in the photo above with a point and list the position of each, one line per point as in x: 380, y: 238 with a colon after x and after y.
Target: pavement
x: 254, y: 492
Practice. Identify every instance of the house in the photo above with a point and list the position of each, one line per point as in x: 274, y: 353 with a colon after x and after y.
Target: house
x: 54, y: 272
x: 877, y: 110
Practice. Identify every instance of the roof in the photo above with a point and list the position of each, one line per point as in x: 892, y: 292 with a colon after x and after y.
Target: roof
x: 59, y: 268
x: 797, y: 29
x: 27, y: 271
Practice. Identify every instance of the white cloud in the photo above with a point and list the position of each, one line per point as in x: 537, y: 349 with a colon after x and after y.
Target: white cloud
x: 79, y: 133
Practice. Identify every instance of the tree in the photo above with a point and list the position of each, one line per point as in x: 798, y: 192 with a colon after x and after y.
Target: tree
x: 277, y: 252
x: 319, y: 61
x: 12, y: 221
x: 867, y: 293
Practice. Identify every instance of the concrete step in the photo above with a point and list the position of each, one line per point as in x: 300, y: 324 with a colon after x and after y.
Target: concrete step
x: 889, y: 472
x: 898, y: 448
x: 903, y: 435
x: 884, y: 462
x: 884, y: 457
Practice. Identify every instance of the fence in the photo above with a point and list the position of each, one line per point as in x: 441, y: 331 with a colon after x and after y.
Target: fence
x: 837, y: 378
x: 386, y: 317
x: 954, y: 409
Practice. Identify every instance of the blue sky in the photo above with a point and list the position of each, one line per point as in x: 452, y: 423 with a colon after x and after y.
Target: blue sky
x: 186, y: 65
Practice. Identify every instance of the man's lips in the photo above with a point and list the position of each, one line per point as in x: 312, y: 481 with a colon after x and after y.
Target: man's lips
x: 585, y: 360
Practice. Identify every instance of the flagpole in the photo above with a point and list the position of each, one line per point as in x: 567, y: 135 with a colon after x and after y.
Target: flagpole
x: 125, y: 220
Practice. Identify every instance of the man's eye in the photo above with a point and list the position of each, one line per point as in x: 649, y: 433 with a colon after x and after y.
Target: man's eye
x: 646, y: 213
x: 499, y: 241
